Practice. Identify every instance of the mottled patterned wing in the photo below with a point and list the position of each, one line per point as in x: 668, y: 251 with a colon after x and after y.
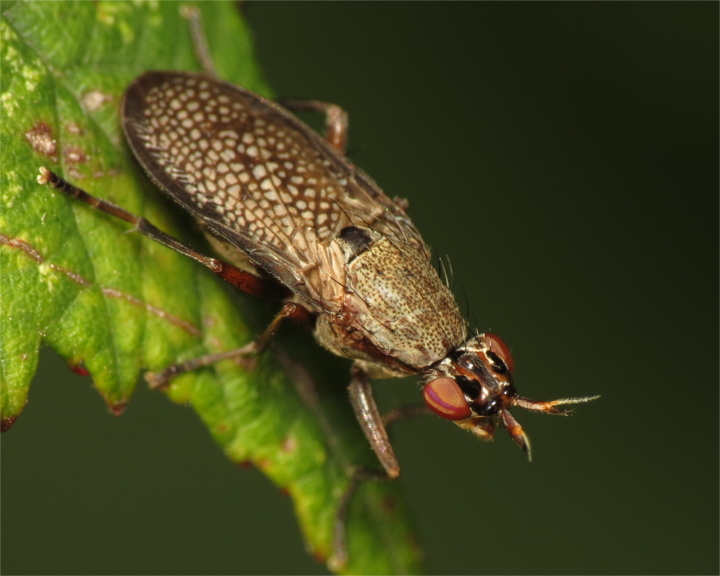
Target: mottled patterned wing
x: 256, y: 176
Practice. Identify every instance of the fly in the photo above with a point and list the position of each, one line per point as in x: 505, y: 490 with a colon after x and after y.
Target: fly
x: 302, y: 224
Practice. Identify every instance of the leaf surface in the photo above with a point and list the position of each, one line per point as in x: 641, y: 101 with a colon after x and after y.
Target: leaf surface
x: 119, y: 304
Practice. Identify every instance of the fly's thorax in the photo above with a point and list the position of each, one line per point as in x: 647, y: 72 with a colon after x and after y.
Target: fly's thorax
x: 395, y: 308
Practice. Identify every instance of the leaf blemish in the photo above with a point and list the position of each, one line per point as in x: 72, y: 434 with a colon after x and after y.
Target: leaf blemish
x: 74, y: 128
x: 41, y: 139
x: 74, y: 155
x: 156, y: 311
x: 289, y: 444
x: 33, y: 253
x: 95, y: 99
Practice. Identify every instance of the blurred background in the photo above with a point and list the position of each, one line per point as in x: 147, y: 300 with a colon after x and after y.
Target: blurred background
x: 565, y: 157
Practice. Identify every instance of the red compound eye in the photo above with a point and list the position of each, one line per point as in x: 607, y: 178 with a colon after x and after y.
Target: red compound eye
x: 444, y: 397
x: 499, y: 347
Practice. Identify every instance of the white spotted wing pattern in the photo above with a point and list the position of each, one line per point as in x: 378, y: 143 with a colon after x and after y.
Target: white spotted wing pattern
x: 269, y: 185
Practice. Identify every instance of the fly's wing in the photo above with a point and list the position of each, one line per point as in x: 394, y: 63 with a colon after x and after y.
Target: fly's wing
x: 257, y: 177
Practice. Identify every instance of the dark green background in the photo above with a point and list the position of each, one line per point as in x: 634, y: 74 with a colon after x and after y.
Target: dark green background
x: 565, y: 157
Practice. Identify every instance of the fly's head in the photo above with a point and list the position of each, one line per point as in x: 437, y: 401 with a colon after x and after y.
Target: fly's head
x: 474, y: 388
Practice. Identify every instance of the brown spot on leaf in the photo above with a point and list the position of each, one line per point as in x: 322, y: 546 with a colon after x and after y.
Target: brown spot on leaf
x: 246, y: 464
x: 41, y: 139
x: 74, y: 155
x: 289, y: 444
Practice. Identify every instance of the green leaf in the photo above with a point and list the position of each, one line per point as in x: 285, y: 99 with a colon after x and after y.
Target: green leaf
x: 118, y: 303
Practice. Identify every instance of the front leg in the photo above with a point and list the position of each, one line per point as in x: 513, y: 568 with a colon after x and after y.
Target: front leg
x: 162, y: 379
x: 367, y: 413
x: 371, y: 422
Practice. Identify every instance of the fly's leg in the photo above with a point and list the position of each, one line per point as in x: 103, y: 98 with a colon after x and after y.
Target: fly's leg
x: 368, y: 415
x: 405, y: 412
x: 336, y: 119
x: 359, y: 475
x: 199, y: 39
x: 241, y: 279
x: 366, y: 411
x: 295, y: 311
x: 374, y: 426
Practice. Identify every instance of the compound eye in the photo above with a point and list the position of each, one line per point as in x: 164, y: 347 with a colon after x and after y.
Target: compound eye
x: 444, y: 397
x: 498, y: 347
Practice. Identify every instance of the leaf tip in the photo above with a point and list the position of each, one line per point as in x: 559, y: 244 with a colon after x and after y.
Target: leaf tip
x: 77, y: 367
x: 6, y: 423
x: 117, y: 408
